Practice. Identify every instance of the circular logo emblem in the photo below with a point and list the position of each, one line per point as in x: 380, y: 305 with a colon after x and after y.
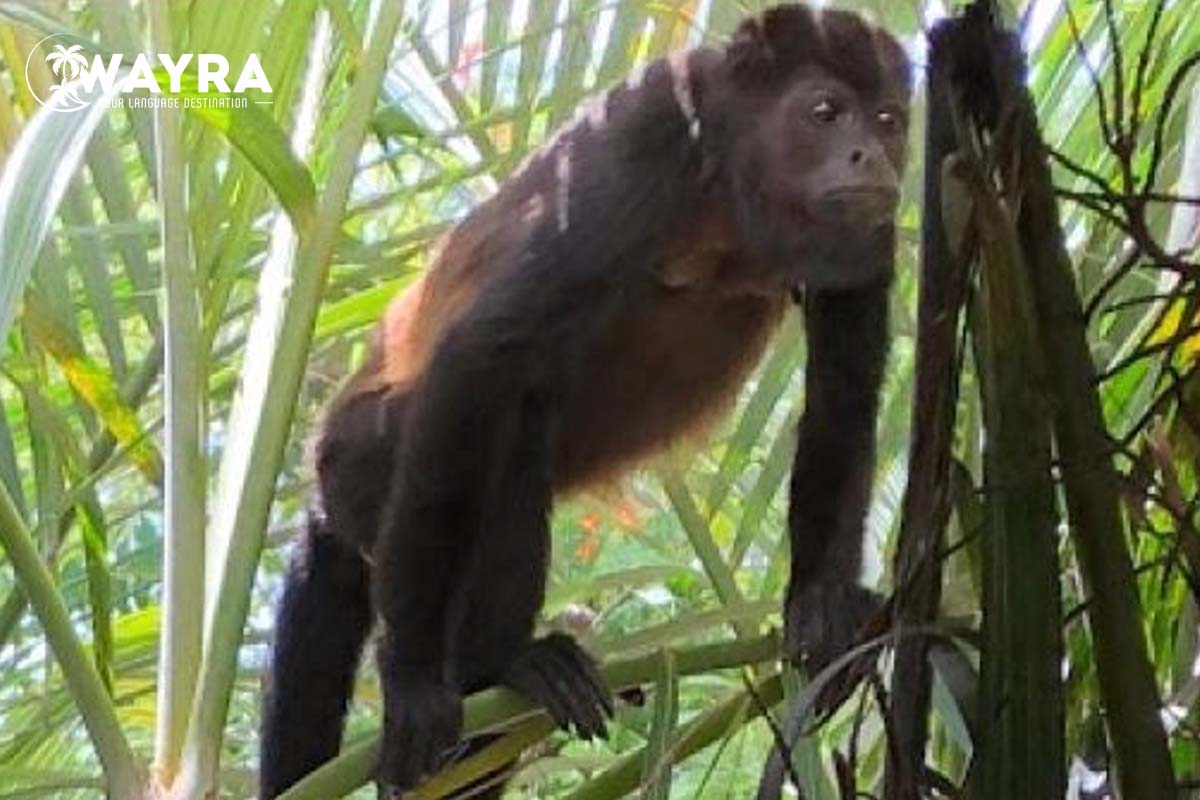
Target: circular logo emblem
x: 67, y: 62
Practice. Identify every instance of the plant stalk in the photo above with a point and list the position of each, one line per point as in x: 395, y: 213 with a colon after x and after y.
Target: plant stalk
x: 181, y: 629
x: 275, y: 391
x: 493, y: 709
x: 122, y: 774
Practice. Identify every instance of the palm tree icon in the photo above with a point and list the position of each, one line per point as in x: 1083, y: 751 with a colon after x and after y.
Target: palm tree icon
x: 67, y: 61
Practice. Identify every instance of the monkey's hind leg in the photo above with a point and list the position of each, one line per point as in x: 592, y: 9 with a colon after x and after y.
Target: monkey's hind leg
x: 323, y: 620
x: 507, y: 589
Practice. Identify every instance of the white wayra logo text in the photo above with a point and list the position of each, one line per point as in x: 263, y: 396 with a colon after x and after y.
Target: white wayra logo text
x: 76, y: 79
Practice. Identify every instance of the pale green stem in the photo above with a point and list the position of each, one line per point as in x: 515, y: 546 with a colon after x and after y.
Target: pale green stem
x: 701, y: 539
x: 181, y: 630
x: 625, y: 774
x: 122, y: 774
x: 1184, y: 233
x: 493, y: 709
x: 266, y: 444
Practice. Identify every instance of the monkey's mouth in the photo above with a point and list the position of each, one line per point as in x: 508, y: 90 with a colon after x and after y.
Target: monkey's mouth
x: 854, y: 206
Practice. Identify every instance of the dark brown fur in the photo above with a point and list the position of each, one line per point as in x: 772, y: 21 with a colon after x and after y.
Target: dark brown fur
x: 610, y: 299
x: 668, y: 362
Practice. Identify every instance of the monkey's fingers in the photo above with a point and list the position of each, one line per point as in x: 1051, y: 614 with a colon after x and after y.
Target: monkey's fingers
x: 587, y: 720
x: 527, y: 680
x: 590, y: 713
x: 559, y: 675
x: 588, y: 672
x: 547, y: 683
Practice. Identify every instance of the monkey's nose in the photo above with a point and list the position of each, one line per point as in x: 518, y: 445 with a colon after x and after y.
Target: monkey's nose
x: 869, y: 157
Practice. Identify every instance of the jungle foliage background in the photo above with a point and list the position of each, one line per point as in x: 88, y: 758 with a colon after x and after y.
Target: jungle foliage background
x: 180, y: 292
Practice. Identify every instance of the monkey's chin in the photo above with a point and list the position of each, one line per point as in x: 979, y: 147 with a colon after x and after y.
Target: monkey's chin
x: 849, y: 260
x: 841, y: 277
x: 833, y: 255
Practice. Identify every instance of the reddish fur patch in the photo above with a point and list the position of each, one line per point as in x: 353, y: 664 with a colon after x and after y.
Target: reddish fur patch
x: 668, y: 364
x: 404, y: 352
x: 416, y: 318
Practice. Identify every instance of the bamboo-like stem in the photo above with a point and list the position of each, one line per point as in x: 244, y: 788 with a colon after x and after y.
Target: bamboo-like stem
x: 285, y: 351
x: 494, y: 759
x: 1020, y: 749
x: 623, y: 777
x: 719, y: 572
x: 1021, y: 687
x: 1128, y: 687
x: 1126, y: 676
x: 123, y: 776
x: 934, y: 407
x: 497, y: 708
x: 181, y: 630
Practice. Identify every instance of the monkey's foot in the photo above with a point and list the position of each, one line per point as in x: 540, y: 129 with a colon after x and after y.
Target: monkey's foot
x: 824, y: 620
x: 422, y: 722
x: 557, y: 673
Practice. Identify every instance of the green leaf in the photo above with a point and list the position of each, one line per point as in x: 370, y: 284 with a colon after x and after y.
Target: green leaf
x: 95, y: 386
x: 52, y: 145
x: 253, y: 133
x: 392, y: 122
x: 35, y: 179
x: 656, y: 770
x: 358, y: 310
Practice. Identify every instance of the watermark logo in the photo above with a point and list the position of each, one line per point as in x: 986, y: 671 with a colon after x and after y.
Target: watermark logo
x: 75, y: 79
x: 66, y: 64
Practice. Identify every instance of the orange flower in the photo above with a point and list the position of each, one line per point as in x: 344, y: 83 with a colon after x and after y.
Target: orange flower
x: 588, y: 549
x: 627, y: 517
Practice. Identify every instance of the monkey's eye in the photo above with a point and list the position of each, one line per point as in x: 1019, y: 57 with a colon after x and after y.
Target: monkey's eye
x: 824, y: 110
x: 888, y: 118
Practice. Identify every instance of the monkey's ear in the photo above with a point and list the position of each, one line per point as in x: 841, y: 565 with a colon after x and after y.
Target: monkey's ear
x: 749, y: 54
x: 772, y: 45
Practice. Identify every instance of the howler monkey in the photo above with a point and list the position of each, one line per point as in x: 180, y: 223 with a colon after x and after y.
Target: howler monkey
x: 615, y: 290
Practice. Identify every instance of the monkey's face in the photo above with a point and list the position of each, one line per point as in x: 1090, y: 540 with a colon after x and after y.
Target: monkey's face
x: 817, y: 181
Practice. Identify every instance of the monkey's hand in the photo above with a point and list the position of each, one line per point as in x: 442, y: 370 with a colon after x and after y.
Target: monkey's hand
x: 826, y: 618
x: 555, y: 672
x: 422, y: 722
